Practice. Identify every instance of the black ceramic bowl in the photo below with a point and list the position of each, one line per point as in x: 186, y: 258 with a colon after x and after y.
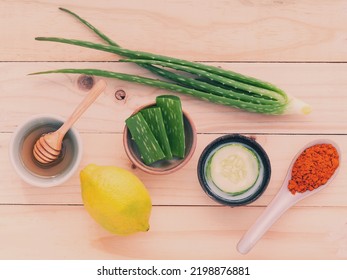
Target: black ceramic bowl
x: 226, y: 198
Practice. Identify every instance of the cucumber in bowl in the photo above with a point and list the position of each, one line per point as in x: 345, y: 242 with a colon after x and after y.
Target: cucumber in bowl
x: 234, y: 170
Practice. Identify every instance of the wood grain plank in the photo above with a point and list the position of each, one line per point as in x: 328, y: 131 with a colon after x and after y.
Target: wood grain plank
x: 62, y: 232
x: 246, y: 30
x: 180, y: 188
x: 321, y: 85
x: 257, y: 38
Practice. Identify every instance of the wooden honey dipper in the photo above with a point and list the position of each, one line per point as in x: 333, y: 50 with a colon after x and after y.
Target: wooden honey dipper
x: 48, y: 147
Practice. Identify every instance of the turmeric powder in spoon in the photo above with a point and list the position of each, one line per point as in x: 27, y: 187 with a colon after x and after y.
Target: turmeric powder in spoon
x: 313, y: 168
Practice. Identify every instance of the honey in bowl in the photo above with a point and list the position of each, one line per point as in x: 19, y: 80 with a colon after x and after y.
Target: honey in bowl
x: 51, y: 169
x: 28, y: 168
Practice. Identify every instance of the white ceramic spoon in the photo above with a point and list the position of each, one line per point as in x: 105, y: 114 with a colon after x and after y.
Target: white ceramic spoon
x: 281, y: 202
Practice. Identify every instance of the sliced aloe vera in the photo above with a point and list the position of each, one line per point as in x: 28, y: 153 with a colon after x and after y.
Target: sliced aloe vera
x: 173, y: 120
x: 234, y: 168
x: 146, y: 143
x: 154, y: 119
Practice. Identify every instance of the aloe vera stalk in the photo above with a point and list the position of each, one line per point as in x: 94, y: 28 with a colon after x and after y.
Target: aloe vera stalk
x: 146, y: 55
x: 207, y: 87
x: 280, y: 107
x: 147, y: 144
x: 91, y: 27
x: 153, y: 117
x: 258, y: 108
x: 262, y: 96
x: 241, y: 87
x: 113, y: 43
x: 173, y: 120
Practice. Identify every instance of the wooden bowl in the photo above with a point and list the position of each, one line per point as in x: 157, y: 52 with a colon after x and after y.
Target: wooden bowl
x: 163, y: 166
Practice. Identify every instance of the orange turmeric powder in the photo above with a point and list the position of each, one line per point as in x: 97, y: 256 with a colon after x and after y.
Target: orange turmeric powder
x: 313, y: 168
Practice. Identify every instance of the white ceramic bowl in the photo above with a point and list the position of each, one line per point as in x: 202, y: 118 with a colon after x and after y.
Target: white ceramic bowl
x: 16, y: 147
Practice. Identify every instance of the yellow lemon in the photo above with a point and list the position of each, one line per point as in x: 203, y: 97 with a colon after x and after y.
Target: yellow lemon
x: 116, y: 199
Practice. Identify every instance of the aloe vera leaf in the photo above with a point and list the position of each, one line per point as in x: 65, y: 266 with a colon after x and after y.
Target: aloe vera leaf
x: 173, y: 120
x: 290, y: 105
x: 146, y: 143
x: 249, y: 90
x: 251, y: 107
x: 147, y: 55
x: 91, y: 27
x: 153, y: 117
x: 183, y: 67
x: 233, y: 93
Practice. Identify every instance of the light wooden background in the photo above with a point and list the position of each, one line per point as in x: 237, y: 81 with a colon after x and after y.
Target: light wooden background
x: 298, y: 45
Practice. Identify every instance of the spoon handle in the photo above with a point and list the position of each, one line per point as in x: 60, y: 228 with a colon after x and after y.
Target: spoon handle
x: 281, y: 202
x: 93, y: 94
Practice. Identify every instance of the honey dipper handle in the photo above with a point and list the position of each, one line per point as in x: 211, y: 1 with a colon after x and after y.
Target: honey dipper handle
x: 93, y: 94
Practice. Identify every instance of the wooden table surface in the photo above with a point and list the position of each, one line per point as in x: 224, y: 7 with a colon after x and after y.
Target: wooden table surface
x: 298, y: 45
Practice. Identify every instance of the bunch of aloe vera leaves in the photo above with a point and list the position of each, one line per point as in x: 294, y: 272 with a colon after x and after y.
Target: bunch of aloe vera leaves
x: 158, y: 131
x: 203, y: 81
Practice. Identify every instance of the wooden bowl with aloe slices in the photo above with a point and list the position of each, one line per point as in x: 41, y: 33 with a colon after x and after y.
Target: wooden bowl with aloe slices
x: 160, y: 138
x: 234, y: 170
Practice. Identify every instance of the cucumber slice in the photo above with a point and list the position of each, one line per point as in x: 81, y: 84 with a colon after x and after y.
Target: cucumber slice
x: 234, y: 168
